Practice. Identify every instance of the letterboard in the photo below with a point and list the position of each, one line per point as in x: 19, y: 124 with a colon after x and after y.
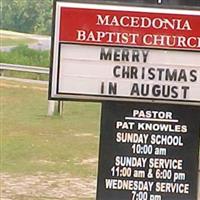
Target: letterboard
x: 148, y: 152
x: 112, y: 52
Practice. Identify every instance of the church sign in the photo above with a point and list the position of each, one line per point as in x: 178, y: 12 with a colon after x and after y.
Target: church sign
x: 125, y: 53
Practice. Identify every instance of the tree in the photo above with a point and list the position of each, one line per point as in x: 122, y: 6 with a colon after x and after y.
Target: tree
x: 29, y: 16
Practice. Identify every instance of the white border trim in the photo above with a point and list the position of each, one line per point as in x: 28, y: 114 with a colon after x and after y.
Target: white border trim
x: 127, y: 8
x: 55, y: 51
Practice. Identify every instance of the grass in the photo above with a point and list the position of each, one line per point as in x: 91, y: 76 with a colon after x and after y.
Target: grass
x: 15, y: 41
x: 21, y: 54
x: 9, y: 38
x: 33, y: 142
x: 25, y: 56
x: 25, y: 75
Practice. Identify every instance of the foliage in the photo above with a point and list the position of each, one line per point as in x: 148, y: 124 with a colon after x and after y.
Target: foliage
x: 29, y: 16
x: 25, y: 56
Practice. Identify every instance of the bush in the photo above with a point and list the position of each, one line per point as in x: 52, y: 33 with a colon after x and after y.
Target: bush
x: 24, y: 56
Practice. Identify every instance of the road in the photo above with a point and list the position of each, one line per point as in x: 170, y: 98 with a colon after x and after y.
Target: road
x: 43, y: 42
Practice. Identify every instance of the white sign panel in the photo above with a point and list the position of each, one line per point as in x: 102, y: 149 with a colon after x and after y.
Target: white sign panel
x: 127, y: 74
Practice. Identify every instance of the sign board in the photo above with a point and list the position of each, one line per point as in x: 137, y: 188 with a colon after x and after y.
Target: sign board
x: 128, y: 73
x: 128, y: 26
x: 148, y: 152
x: 110, y: 52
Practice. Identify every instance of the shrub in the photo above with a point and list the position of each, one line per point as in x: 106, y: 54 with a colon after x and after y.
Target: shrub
x: 25, y: 56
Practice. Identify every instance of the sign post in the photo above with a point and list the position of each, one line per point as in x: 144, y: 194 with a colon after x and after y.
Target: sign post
x: 120, y: 54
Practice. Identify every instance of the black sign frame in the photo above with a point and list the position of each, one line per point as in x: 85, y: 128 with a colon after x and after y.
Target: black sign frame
x: 110, y: 149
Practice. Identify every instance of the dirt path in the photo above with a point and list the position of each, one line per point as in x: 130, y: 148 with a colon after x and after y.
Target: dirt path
x: 46, y: 186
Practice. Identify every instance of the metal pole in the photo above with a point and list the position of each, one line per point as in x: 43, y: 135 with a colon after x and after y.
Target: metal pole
x: 60, y: 108
x: 51, y: 108
x: 55, y: 108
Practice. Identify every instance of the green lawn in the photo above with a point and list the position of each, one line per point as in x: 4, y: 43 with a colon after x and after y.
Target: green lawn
x: 33, y: 142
